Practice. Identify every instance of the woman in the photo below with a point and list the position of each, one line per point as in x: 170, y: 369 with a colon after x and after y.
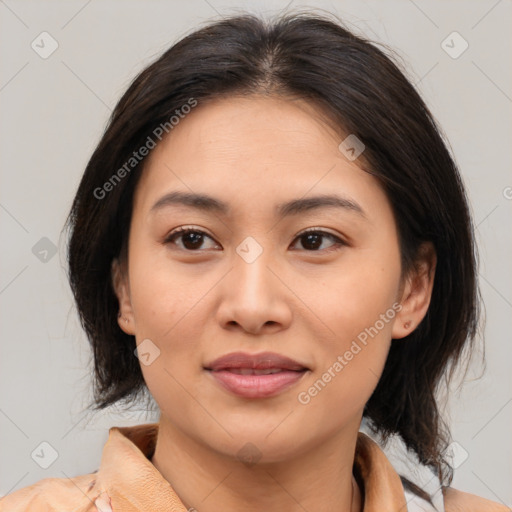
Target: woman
x: 273, y: 240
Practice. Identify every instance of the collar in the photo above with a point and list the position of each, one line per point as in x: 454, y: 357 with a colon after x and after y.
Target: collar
x: 132, y: 483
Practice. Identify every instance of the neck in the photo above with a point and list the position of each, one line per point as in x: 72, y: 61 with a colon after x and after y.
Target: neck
x: 320, y: 479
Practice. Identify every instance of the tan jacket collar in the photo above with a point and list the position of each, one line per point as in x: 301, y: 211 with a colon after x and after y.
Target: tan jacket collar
x: 132, y: 483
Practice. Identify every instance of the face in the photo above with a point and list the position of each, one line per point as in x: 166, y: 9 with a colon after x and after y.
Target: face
x: 267, y: 264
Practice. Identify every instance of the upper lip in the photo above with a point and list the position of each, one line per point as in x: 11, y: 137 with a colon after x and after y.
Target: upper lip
x: 261, y: 361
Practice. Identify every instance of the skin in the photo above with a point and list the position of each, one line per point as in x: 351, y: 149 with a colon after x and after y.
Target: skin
x: 198, y: 304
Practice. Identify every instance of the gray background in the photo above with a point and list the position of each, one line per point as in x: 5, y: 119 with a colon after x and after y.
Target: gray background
x: 54, y: 110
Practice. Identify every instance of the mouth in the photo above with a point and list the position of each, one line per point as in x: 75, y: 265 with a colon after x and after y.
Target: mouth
x: 256, y: 375
x: 253, y: 371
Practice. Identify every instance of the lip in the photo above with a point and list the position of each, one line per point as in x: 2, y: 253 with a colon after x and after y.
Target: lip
x: 260, y: 375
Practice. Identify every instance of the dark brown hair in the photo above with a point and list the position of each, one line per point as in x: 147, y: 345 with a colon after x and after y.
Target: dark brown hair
x: 365, y: 93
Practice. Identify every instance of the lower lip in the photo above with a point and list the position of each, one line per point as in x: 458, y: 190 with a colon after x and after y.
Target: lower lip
x: 257, y: 386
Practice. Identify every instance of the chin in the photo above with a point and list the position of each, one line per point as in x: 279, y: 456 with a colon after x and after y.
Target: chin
x: 256, y: 445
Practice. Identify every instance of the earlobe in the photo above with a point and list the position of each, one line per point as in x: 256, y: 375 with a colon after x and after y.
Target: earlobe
x: 125, y: 317
x: 417, y: 292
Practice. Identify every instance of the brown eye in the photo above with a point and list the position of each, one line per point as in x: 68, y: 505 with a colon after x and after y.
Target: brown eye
x: 312, y: 240
x: 191, y: 239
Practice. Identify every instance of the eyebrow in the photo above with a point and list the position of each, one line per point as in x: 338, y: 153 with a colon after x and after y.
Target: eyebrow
x: 207, y: 203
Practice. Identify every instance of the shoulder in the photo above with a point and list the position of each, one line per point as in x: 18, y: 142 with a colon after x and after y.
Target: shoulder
x: 458, y: 501
x: 54, y: 494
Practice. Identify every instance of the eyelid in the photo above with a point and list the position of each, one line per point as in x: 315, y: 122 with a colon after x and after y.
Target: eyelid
x: 338, y: 239
x: 320, y: 230
x: 184, y: 230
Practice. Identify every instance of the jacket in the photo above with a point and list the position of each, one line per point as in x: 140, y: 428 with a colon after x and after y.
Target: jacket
x: 127, y: 481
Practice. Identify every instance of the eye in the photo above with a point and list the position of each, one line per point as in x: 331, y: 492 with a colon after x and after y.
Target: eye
x: 312, y: 240
x: 191, y: 238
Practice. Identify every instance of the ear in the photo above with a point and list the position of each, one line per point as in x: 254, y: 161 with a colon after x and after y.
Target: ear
x: 121, y: 287
x: 416, y: 292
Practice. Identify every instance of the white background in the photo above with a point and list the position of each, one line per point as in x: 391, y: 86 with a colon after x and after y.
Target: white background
x: 53, y: 112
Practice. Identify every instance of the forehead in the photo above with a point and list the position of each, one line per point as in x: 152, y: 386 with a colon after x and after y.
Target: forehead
x: 248, y: 150
x: 245, y: 127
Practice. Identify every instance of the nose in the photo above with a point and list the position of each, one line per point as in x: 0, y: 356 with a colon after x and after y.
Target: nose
x: 254, y: 298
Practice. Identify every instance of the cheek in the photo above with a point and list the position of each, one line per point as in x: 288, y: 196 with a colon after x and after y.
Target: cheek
x: 162, y: 291
x: 348, y: 369
x: 357, y: 293
x: 358, y: 306
x: 167, y: 306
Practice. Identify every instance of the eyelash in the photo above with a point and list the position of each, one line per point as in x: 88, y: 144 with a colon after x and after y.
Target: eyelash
x: 338, y: 242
